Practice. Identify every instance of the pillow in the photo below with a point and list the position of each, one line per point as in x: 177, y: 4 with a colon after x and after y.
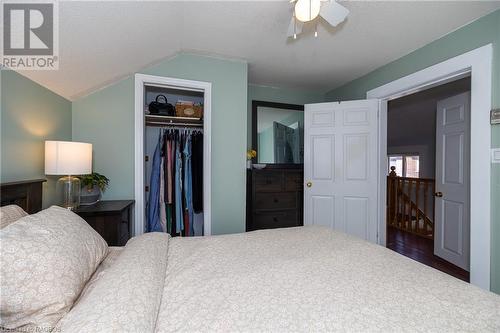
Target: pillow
x: 10, y: 214
x: 46, y: 260
x: 127, y: 297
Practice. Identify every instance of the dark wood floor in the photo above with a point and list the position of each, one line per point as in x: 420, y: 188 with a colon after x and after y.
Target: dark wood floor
x: 422, y: 250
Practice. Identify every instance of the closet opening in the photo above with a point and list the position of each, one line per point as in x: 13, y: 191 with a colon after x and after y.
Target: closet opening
x: 172, y: 156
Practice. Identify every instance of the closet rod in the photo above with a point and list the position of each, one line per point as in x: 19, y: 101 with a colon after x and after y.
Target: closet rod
x: 163, y: 124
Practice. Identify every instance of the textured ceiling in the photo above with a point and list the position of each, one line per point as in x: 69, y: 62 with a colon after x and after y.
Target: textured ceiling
x: 101, y: 42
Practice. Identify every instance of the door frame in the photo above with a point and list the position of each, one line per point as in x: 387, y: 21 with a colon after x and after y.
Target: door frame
x: 478, y: 64
x: 206, y: 87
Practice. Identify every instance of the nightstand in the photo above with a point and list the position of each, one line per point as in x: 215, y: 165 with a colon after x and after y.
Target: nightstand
x: 110, y: 218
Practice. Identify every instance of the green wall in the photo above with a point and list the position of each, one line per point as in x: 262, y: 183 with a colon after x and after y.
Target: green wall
x: 30, y: 114
x: 278, y: 95
x: 106, y: 119
x: 480, y: 32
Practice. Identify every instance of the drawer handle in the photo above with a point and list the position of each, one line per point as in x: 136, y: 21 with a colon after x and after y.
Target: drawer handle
x: 275, y: 219
x: 276, y: 200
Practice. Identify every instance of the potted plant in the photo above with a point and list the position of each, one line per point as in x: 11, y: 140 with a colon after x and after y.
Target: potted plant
x: 251, y: 153
x: 93, y: 185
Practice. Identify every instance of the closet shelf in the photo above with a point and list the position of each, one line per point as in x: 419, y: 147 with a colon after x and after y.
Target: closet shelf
x: 157, y: 120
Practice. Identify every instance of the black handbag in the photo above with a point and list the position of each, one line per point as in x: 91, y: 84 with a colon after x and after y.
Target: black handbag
x: 163, y: 108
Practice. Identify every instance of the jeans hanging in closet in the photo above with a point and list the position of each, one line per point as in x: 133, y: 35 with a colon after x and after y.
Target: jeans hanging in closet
x: 188, y: 187
x: 179, y: 224
x: 168, y: 144
x: 153, y: 218
x: 161, y: 201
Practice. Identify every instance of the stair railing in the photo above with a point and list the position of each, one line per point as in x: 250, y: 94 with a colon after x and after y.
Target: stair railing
x: 410, y: 204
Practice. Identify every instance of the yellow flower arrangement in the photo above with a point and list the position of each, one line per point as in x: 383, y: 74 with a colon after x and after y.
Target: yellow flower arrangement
x: 251, y: 153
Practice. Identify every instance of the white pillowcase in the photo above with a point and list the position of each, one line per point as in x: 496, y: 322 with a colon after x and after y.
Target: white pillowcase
x: 10, y: 214
x: 47, y: 258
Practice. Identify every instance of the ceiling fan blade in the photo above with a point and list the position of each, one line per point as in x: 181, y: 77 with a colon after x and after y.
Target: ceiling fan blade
x: 333, y: 13
x: 295, y: 27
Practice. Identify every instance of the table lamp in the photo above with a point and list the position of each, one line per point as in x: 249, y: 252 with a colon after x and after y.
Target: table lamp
x: 68, y: 159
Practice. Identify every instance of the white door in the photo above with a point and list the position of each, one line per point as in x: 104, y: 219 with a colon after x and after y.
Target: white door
x: 340, y: 166
x: 451, y: 225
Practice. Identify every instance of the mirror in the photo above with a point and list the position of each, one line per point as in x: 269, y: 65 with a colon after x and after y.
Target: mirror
x: 278, y: 133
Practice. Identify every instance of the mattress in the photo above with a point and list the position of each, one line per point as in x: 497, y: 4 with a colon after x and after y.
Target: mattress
x: 283, y: 280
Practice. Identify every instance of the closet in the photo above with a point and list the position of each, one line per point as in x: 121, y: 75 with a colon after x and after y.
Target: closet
x: 174, y: 152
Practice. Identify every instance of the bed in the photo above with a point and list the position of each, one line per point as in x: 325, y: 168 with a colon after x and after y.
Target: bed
x: 282, y: 280
x: 26, y: 194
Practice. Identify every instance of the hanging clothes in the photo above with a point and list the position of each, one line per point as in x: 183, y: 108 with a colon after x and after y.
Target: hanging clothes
x: 197, y: 171
x: 153, y: 216
x: 168, y: 143
x: 188, y: 189
x: 172, y: 138
x: 179, y: 223
x: 162, y: 209
x: 198, y: 224
x: 176, y: 183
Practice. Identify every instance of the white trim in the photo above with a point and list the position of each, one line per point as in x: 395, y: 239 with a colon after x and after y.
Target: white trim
x: 382, y: 181
x: 206, y: 87
x: 478, y: 63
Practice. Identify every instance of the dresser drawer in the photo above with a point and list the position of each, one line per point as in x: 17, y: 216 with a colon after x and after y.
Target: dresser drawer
x: 268, y: 181
x: 274, y: 198
x: 270, y: 220
x: 124, y: 232
x: 294, y: 181
x: 283, y: 200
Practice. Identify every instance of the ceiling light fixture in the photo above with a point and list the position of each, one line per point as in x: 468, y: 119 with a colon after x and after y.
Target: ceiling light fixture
x: 307, y: 10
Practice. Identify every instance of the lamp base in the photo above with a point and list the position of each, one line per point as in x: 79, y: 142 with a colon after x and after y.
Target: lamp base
x: 68, y: 192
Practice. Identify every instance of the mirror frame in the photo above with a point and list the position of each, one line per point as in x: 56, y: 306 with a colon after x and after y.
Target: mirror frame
x: 255, y: 106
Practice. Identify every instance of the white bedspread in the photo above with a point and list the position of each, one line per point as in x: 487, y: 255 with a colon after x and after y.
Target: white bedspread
x: 303, y: 279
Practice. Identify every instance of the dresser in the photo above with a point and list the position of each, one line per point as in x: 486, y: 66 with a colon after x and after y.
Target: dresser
x: 274, y: 198
x: 110, y: 218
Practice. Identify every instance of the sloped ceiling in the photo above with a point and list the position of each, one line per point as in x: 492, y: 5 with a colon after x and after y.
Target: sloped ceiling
x: 101, y: 42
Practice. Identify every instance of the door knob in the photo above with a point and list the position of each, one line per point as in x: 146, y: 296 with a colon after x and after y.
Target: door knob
x: 309, y: 184
x: 438, y: 194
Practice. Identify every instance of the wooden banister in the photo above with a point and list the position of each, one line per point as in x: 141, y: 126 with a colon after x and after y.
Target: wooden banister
x: 410, y: 204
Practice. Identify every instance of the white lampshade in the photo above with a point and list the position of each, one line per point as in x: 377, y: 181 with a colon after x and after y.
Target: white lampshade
x: 68, y: 158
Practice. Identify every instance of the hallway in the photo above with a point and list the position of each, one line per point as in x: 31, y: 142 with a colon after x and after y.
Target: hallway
x: 422, y: 250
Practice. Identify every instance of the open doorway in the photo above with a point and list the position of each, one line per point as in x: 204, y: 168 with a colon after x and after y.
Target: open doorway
x: 428, y: 192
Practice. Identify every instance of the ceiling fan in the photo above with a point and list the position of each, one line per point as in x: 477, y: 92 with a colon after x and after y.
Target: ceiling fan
x: 310, y: 10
